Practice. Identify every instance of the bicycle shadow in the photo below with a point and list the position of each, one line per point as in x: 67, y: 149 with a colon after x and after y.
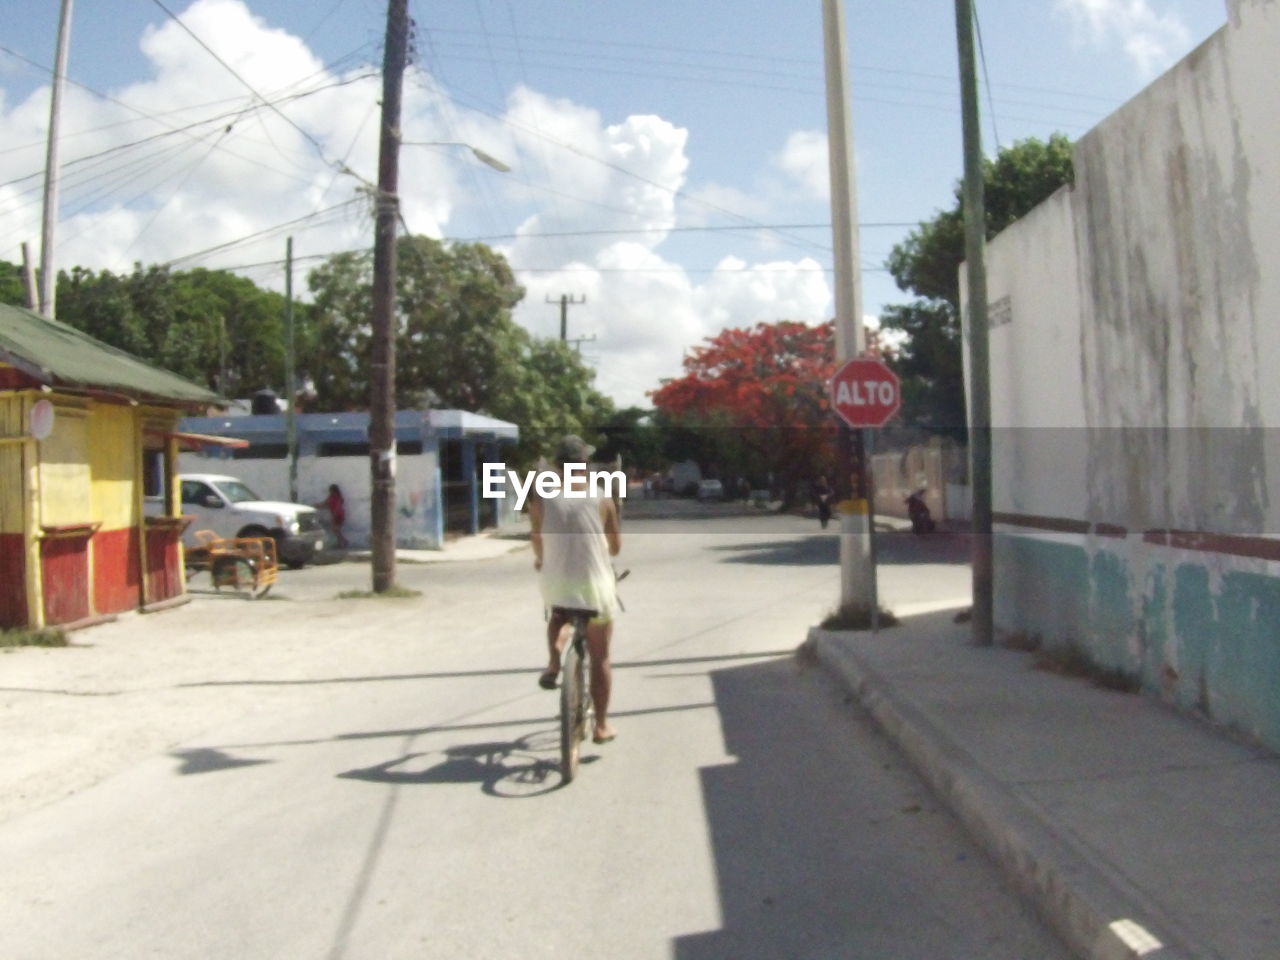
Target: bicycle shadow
x: 507, y: 769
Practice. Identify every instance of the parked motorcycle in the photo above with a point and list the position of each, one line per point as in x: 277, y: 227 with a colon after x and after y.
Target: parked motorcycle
x: 918, y: 512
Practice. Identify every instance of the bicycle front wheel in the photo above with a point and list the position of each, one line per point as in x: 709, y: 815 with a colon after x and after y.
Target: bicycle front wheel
x: 571, y: 694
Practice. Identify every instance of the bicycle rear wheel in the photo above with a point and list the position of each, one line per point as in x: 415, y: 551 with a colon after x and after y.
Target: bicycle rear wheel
x: 573, y: 704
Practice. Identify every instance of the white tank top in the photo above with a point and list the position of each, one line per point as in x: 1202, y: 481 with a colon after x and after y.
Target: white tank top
x: 576, y: 571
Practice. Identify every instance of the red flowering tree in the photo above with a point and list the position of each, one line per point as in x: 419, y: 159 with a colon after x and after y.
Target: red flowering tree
x: 758, y: 399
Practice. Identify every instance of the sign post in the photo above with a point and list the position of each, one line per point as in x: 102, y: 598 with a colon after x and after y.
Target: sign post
x: 866, y: 395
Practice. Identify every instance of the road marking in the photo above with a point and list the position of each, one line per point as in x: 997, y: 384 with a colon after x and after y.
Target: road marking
x: 1136, y: 937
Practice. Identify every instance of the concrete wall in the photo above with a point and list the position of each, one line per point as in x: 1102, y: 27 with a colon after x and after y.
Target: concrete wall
x: 1135, y: 442
x: 418, y: 521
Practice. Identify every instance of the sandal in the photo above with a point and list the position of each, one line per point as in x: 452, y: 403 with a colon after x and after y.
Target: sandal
x: 603, y: 737
x: 547, y: 679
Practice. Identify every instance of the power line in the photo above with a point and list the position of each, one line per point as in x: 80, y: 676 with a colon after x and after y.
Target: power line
x: 716, y: 228
x: 219, y: 118
x: 704, y: 52
x: 260, y: 234
x: 986, y: 77
x: 248, y: 86
x: 674, y: 191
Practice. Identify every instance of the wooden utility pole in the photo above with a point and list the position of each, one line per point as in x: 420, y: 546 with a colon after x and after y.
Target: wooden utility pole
x: 382, y: 376
x: 48, y: 274
x: 857, y: 568
x: 566, y: 301
x: 975, y: 236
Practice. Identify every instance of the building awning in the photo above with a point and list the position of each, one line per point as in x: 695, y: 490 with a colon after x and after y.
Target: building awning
x: 59, y: 355
x: 197, y: 441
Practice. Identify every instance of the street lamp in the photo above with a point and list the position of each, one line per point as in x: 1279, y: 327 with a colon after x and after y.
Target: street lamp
x: 479, y: 154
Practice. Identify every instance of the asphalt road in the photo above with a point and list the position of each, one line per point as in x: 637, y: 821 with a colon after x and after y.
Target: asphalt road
x: 394, y: 792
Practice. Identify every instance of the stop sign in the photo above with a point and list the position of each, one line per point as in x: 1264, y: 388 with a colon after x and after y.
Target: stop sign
x: 865, y: 393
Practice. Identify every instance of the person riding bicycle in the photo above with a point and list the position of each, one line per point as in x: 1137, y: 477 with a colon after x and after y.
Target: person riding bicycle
x: 573, y: 539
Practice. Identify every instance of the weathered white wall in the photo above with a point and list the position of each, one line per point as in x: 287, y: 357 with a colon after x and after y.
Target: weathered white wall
x: 417, y: 492
x: 1176, y: 209
x: 1037, y: 383
x: 1132, y: 393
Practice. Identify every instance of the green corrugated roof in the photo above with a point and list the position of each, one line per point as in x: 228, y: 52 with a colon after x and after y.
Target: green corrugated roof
x: 60, y: 355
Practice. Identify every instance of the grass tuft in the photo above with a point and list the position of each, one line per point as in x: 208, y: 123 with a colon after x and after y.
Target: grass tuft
x: 856, y: 618
x: 1026, y: 642
x: 46, y: 637
x: 395, y: 593
x: 1072, y: 660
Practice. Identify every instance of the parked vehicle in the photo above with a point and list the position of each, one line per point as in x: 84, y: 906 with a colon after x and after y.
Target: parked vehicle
x: 710, y: 489
x: 231, y: 510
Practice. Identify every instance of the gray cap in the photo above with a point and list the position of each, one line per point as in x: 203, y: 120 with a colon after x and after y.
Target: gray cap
x: 572, y: 449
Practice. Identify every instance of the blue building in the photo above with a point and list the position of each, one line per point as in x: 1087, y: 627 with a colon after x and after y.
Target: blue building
x: 439, y: 455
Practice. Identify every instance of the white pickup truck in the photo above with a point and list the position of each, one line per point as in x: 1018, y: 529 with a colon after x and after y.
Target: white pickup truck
x: 230, y: 509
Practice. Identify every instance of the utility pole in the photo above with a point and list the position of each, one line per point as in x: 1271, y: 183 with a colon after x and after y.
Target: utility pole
x: 579, y: 341
x: 48, y: 275
x: 30, y: 291
x: 857, y: 569
x: 290, y: 373
x: 566, y: 301
x: 382, y: 400
x: 975, y: 240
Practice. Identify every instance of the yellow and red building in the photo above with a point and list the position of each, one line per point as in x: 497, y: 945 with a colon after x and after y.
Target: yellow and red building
x: 90, y: 519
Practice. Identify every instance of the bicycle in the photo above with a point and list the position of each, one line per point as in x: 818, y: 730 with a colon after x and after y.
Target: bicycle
x: 575, y: 693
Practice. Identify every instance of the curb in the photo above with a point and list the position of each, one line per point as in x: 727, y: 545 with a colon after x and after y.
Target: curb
x: 1094, y: 912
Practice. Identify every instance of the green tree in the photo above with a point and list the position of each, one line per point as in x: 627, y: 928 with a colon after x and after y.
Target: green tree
x: 927, y: 264
x: 210, y: 326
x: 636, y: 435
x: 457, y: 344
x: 11, y: 290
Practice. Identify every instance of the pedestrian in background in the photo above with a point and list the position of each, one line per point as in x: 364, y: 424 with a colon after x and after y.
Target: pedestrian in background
x: 337, y: 509
x: 822, y: 497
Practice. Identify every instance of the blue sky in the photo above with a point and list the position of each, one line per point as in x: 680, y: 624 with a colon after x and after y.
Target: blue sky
x: 651, y: 144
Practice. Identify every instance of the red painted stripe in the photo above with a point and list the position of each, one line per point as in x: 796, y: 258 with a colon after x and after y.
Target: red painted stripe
x: 1258, y: 548
x: 163, y: 557
x: 1060, y: 524
x: 64, y: 570
x: 1234, y: 545
x: 13, y: 581
x: 116, y: 586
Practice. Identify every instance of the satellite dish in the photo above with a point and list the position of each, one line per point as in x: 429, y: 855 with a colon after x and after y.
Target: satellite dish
x: 41, y: 419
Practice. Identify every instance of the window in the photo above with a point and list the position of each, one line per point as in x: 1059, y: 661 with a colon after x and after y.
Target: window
x: 262, y: 451
x: 153, y: 474
x: 194, y: 492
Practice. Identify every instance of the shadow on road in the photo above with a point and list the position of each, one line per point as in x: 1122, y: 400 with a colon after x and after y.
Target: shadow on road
x: 896, y: 547
x: 454, y: 727
x: 813, y: 856
x: 532, y: 671
x: 508, y: 769
x: 209, y: 760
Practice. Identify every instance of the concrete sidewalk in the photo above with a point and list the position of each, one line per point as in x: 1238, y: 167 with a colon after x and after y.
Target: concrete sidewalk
x: 485, y: 546
x: 1126, y: 823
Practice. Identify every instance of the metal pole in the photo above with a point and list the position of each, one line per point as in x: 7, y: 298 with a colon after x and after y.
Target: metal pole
x: 290, y: 374
x: 48, y: 275
x: 979, y: 359
x: 30, y: 292
x: 382, y: 400
x: 857, y: 590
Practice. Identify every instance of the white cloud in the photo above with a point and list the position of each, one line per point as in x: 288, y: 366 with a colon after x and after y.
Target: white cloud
x: 804, y: 158
x: 252, y: 170
x: 1151, y: 39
